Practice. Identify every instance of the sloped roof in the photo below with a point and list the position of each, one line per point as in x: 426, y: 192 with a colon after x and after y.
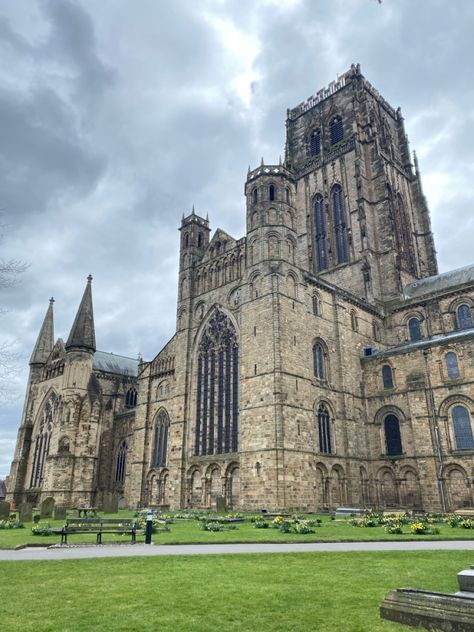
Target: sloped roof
x: 112, y: 363
x: 440, y: 282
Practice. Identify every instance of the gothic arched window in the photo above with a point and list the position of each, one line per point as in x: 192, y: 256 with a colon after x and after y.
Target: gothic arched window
x: 320, y: 233
x: 315, y: 304
x: 354, y: 321
x: 464, y: 316
x: 452, y: 367
x: 43, y: 439
x: 255, y: 196
x: 393, y: 439
x: 160, y: 441
x: 387, y: 376
x: 340, y: 226
x: 319, y: 364
x: 324, y: 430
x: 272, y: 192
x: 120, y: 462
x: 200, y: 240
x: 217, y: 402
x: 414, y: 329
x: 462, y: 428
x: 336, y: 130
x: 131, y: 398
x: 315, y: 142
x: 403, y: 232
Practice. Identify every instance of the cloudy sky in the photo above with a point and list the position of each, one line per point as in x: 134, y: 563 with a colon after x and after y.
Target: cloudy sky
x: 117, y: 116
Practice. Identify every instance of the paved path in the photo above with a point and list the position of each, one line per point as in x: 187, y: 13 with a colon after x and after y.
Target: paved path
x: 140, y: 550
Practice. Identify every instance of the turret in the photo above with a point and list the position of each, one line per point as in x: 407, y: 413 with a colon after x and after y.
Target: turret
x: 194, y: 239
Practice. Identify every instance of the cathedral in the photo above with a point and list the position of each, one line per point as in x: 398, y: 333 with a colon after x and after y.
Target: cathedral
x: 319, y: 361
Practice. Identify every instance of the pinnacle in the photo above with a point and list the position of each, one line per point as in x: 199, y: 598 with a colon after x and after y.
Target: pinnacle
x: 45, y: 342
x: 82, y: 334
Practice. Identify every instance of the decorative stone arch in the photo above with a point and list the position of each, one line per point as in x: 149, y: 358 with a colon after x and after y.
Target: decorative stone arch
x: 182, y: 318
x: 289, y: 217
x: 160, y: 431
x: 194, y: 486
x: 387, y: 488
x: 364, y: 487
x: 325, y: 376
x: 455, y: 315
x: 290, y: 248
x: 338, y: 491
x: 163, y: 487
x: 272, y: 241
x: 213, y: 485
x: 253, y: 251
x: 406, y: 320
x: 292, y: 285
x: 458, y: 487
x: 255, y: 284
x: 45, y: 419
x: 209, y: 314
x: 354, y: 320
x: 410, y: 489
x: 232, y: 485
x: 386, y: 376
x: 379, y: 420
x: 445, y: 415
x: 151, y: 488
x: 322, y: 484
x: 316, y: 303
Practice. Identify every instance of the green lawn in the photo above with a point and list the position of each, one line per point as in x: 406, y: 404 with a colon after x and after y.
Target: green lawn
x: 188, y: 531
x: 333, y: 592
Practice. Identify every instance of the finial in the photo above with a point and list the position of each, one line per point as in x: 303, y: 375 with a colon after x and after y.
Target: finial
x: 182, y: 219
x: 279, y: 161
x: 261, y: 162
x: 192, y: 212
x: 248, y: 170
x: 51, y: 300
x: 207, y: 217
x: 89, y: 278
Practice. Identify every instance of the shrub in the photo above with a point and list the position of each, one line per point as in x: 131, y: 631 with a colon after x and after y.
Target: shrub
x: 11, y: 524
x: 212, y: 526
x: 260, y: 524
x: 453, y: 520
x: 41, y: 529
x: 394, y: 527
x: 303, y: 527
x: 467, y: 523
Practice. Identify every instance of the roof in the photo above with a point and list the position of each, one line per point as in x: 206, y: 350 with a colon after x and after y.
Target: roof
x: 440, y: 282
x: 113, y: 363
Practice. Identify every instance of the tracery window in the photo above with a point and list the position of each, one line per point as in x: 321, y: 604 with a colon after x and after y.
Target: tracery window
x: 336, y: 130
x: 414, y: 329
x: 324, y: 429
x: 315, y: 142
x: 462, y: 428
x: 160, y: 441
x: 43, y: 439
x: 340, y: 226
x: 319, y: 362
x: 393, y: 439
x: 452, y: 367
x: 387, y: 376
x: 464, y: 316
x: 217, y: 403
x: 131, y: 398
x: 315, y: 304
x: 120, y: 462
x: 320, y: 233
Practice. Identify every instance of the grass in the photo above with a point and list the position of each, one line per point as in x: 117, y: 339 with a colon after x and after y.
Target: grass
x: 279, y: 592
x: 189, y: 532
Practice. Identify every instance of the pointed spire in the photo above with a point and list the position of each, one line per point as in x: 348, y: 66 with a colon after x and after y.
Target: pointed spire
x: 193, y: 213
x: 248, y: 170
x: 45, y: 342
x: 261, y: 162
x: 82, y: 334
x: 279, y: 161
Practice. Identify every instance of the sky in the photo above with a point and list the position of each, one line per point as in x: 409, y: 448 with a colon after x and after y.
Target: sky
x: 117, y: 117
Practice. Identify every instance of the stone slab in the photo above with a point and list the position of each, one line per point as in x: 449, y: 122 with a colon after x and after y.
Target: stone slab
x: 4, y: 510
x: 110, y: 503
x: 430, y: 610
x: 60, y: 512
x: 466, y: 580
x: 26, y: 512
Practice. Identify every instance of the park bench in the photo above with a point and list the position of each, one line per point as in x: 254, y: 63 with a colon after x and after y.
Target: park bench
x: 97, y: 526
x: 465, y: 513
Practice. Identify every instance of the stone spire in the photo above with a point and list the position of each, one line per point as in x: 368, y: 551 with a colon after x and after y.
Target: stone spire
x: 45, y: 342
x: 82, y: 334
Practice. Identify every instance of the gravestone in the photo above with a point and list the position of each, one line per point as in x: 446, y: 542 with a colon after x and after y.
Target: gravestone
x: 59, y: 512
x: 47, y: 507
x: 220, y: 504
x: 4, y: 510
x: 25, y: 512
x: 110, y: 505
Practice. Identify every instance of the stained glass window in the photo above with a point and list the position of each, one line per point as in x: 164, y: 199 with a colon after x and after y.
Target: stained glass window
x: 387, y: 376
x: 464, y: 316
x: 452, y: 367
x: 462, y: 428
x: 217, y: 397
x: 160, y: 444
x: 340, y: 226
x: 393, y: 439
x: 43, y: 439
x: 320, y: 233
x: 319, y: 367
x: 324, y: 430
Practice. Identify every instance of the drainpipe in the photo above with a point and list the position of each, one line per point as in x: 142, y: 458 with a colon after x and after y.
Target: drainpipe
x: 436, y: 434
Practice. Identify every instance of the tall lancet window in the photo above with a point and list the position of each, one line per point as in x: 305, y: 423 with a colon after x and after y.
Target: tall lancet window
x: 320, y: 233
x: 217, y: 401
x: 43, y: 439
x: 121, y: 462
x: 340, y: 226
x: 160, y: 443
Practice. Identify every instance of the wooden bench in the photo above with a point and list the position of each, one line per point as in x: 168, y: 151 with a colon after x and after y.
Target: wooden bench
x: 465, y: 513
x: 97, y: 526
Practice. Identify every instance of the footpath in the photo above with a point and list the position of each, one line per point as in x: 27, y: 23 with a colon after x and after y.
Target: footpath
x: 142, y: 550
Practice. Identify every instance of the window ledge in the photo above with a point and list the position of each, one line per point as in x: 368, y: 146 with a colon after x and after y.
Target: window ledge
x: 393, y: 456
x: 463, y: 451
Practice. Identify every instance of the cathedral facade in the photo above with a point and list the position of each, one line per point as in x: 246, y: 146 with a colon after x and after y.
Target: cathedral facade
x: 319, y: 361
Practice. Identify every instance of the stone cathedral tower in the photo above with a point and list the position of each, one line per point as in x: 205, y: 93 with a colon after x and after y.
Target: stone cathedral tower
x: 318, y: 361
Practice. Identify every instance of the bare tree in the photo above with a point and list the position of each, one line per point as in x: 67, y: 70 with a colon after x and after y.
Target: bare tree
x: 10, y: 271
